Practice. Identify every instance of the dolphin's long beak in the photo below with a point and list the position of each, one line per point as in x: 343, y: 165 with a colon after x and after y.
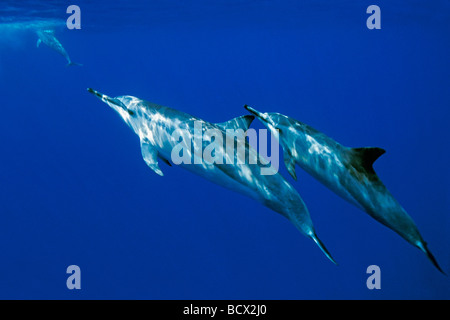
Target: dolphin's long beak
x: 260, y: 115
x: 110, y: 101
x: 96, y: 93
x: 264, y: 117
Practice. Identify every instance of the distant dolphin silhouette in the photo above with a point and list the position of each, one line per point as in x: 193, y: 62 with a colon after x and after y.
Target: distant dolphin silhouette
x: 155, y: 126
x: 346, y: 171
x: 48, y: 38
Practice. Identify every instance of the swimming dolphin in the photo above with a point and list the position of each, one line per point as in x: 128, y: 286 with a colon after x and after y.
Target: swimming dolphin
x: 48, y: 38
x: 156, y: 127
x: 346, y: 171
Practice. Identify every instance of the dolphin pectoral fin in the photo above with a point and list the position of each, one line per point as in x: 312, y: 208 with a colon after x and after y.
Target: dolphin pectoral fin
x: 38, y: 43
x: 165, y: 160
x: 367, y: 156
x: 242, y: 122
x: 150, y: 155
x: 289, y: 161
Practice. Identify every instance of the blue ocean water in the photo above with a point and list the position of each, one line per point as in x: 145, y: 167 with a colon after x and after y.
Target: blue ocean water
x: 75, y: 190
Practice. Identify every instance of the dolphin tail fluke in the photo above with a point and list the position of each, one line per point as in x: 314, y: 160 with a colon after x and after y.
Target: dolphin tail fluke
x: 322, y: 247
x: 424, y: 248
x: 74, y: 64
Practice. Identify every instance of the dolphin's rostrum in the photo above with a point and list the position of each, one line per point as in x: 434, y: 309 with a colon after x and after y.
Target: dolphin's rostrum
x: 346, y: 171
x: 155, y: 125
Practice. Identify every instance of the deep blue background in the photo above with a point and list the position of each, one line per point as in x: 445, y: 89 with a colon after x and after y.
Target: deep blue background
x: 75, y: 190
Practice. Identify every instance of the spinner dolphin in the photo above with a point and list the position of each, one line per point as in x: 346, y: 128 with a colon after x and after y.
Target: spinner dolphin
x: 156, y: 127
x: 346, y: 171
x: 49, y: 39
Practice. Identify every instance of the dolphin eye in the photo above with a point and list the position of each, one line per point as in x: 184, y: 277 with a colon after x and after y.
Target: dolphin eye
x: 131, y: 113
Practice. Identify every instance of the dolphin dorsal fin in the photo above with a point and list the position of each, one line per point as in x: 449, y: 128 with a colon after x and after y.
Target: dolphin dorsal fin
x: 242, y: 122
x: 367, y: 156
